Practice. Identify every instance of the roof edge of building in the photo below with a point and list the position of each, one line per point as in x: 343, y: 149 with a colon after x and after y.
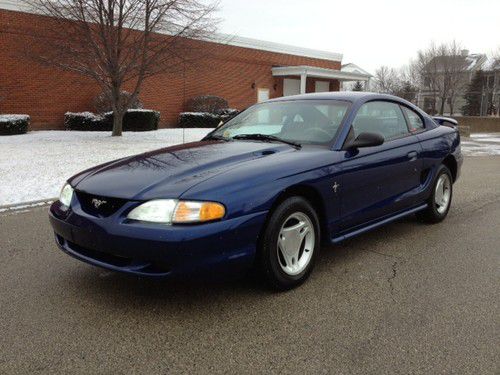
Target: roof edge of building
x: 232, y: 40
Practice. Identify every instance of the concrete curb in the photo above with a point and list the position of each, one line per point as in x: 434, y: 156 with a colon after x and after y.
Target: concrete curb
x: 25, y: 205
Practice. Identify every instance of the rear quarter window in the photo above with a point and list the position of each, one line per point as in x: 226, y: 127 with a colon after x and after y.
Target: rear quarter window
x: 382, y: 117
x: 415, y: 122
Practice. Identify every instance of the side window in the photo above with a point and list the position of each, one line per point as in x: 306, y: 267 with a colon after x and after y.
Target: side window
x: 415, y: 121
x: 385, y: 118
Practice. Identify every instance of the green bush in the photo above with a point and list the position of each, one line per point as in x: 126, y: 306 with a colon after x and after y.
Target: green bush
x: 134, y: 120
x: 14, y: 124
x: 198, y: 120
x: 86, y: 121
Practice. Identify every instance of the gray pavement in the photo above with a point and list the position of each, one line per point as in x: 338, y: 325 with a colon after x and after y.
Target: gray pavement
x: 407, y: 298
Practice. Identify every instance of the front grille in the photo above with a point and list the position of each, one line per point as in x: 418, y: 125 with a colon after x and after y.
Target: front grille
x: 99, y: 206
x: 145, y: 267
x: 112, y: 259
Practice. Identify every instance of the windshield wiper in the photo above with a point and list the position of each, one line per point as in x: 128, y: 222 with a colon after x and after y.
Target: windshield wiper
x: 216, y: 137
x: 266, y: 137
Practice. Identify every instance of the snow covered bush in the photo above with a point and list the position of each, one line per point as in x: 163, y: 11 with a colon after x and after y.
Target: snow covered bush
x: 102, y: 102
x: 134, y: 120
x: 137, y: 120
x: 206, y: 111
x: 86, y: 121
x: 198, y: 120
x: 227, y: 114
x: 205, y: 119
x: 14, y: 124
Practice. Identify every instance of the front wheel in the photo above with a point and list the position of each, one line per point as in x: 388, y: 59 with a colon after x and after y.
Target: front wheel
x: 439, y: 202
x: 290, y: 244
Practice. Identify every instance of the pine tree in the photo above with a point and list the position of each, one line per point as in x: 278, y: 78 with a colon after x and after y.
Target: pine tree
x: 406, y: 91
x: 357, y: 86
x: 473, y: 95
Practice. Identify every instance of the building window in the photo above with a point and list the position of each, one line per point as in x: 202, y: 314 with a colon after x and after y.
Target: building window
x: 262, y: 95
x: 291, y: 86
x: 491, y: 81
x: 321, y: 86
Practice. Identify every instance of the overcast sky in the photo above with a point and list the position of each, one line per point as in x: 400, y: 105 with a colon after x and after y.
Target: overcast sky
x: 368, y: 33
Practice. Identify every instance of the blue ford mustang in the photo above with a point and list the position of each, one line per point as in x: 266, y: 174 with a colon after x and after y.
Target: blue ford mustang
x: 265, y: 189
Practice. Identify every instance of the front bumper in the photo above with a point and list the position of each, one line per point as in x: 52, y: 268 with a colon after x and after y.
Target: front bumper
x: 227, y: 246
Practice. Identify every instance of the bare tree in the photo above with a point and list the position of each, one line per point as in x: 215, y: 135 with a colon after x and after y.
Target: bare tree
x: 426, y: 67
x: 496, y: 54
x: 382, y: 79
x: 442, y: 71
x: 386, y: 80
x: 454, y: 73
x: 399, y: 82
x: 411, y: 73
x: 121, y: 43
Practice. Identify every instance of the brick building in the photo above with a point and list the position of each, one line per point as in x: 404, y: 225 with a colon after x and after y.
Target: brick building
x: 241, y: 70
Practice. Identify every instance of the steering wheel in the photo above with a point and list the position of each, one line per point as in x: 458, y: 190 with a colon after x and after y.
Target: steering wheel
x: 320, y: 133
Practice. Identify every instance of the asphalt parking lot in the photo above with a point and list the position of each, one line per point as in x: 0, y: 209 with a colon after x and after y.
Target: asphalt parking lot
x: 407, y: 298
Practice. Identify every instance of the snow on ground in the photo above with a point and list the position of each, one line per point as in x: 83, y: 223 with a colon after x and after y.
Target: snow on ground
x: 481, y: 144
x: 486, y: 137
x: 35, y: 165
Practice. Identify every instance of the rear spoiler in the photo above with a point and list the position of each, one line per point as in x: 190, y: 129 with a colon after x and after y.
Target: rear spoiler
x: 446, y: 121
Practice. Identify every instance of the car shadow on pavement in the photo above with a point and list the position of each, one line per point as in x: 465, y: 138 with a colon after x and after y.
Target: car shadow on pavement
x: 113, y: 288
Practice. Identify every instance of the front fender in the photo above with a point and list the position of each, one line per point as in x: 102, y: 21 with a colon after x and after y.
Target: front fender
x: 248, y: 190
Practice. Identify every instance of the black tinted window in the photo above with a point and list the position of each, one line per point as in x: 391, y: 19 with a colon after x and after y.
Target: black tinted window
x: 384, y: 118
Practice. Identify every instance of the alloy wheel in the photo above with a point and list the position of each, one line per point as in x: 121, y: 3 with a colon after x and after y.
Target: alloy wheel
x: 442, y: 193
x: 296, y: 242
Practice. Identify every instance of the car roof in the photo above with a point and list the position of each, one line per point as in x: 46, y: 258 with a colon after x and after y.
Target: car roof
x: 351, y: 96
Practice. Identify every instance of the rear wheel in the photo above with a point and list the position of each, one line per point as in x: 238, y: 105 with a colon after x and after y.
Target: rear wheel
x: 439, y: 202
x: 290, y: 244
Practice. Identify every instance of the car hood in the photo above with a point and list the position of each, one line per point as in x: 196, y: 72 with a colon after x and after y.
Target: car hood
x: 168, y: 172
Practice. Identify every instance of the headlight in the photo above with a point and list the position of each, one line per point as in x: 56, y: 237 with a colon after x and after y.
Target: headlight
x: 66, y: 195
x: 157, y: 211
x: 168, y: 211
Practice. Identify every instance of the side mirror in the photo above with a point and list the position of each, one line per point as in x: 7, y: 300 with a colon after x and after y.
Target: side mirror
x: 366, y: 139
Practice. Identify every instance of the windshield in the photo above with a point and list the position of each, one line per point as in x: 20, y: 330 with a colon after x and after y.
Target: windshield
x: 306, y: 121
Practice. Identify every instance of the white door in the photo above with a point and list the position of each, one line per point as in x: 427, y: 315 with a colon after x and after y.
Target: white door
x: 262, y: 95
x: 291, y: 87
x: 322, y: 86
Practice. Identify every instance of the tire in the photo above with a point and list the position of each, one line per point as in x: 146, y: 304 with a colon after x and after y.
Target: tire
x: 290, y: 244
x: 435, y: 212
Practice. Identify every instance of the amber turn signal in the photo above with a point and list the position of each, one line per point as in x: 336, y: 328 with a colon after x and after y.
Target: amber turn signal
x: 196, y: 212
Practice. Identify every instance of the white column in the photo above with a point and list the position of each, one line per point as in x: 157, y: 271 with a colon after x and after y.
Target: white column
x: 303, y: 81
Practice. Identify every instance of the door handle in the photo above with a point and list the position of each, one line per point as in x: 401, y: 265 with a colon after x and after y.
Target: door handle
x: 412, y: 155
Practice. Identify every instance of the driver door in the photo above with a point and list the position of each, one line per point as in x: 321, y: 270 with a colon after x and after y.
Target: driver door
x: 378, y: 181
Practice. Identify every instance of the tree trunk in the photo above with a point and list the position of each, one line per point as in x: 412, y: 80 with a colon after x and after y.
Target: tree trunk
x: 118, y: 111
x: 441, y: 109
x: 117, y: 123
x: 434, y: 111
